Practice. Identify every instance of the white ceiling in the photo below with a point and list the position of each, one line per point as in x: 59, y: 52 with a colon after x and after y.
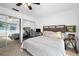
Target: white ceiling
x: 42, y: 10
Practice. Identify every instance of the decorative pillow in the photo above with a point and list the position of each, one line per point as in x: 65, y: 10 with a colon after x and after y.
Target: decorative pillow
x: 47, y: 33
x: 56, y: 35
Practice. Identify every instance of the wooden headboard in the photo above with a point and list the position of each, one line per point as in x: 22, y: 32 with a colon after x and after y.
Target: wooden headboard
x: 55, y: 28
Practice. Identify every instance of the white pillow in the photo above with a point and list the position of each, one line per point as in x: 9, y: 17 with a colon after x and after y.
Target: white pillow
x: 52, y: 34
x: 57, y: 35
x: 47, y: 33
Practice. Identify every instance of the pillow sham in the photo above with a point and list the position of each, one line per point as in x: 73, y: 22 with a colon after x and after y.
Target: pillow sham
x: 57, y: 35
x: 48, y: 33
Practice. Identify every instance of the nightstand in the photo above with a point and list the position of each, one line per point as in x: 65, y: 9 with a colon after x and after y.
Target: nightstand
x: 70, y: 39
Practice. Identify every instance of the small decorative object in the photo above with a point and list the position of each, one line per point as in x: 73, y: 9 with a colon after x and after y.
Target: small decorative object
x: 71, y: 28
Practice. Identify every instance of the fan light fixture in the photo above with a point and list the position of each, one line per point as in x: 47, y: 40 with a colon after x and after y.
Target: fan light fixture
x: 29, y: 4
x: 24, y: 4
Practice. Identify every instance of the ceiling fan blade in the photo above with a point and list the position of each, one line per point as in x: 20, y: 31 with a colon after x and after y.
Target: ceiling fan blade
x: 19, y: 4
x: 29, y: 6
x: 37, y: 3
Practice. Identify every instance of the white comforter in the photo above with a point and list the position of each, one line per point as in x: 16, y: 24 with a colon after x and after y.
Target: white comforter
x: 44, y: 46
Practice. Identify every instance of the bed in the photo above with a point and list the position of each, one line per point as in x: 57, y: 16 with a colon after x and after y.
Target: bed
x: 46, y: 45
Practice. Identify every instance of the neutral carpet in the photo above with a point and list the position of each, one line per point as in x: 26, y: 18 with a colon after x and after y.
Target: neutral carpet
x: 13, y: 49
x: 71, y: 52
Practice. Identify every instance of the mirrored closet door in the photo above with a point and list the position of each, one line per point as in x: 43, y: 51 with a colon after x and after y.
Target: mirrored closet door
x: 13, y: 31
x: 9, y: 31
x: 3, y: 31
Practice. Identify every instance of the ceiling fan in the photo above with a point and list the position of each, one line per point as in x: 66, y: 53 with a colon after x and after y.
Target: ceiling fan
x: 27, y: 5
